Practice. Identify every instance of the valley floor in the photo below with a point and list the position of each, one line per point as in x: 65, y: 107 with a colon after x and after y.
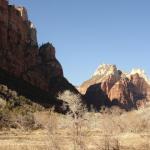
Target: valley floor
x: 40, y: 140
x: 110, y: 129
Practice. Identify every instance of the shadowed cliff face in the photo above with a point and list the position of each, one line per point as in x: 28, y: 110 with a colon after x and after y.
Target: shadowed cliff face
x: 109, y: 86
x: 22, y: 63
x: 96, y: 97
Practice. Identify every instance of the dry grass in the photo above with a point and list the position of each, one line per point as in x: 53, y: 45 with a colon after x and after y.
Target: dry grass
x: 109, y: 130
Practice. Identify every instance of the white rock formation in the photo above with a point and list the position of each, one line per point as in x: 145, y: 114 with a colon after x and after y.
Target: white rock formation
x: 141, y: 73
x: 106, y: 70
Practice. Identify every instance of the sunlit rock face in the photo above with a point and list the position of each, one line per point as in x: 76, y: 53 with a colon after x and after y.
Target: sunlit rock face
x: 105, y: 74
x: 106, y: 70
x: 123, y: 89
x: 20, y: 55
x: 125, y: 93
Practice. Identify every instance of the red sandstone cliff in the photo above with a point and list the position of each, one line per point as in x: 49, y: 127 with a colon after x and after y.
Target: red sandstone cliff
x: 21, y: 57
x: 109, y: 86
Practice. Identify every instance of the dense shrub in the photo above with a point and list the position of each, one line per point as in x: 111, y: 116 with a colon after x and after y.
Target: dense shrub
x: 17, y: 111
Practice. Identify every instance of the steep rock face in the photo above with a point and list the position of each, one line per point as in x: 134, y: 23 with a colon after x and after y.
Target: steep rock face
x: 18, y: 51
x: 96, y: 97
x: 125, y: 93
x: 46, y: 68
x: 105, y: 74
x: 141, y: 84
x: 21, y: 58
x: 125, y: 90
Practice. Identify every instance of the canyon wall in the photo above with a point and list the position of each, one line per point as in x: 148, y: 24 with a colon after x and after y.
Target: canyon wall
x: 22, y: 58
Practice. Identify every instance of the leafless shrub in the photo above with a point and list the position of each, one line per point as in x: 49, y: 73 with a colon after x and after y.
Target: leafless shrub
x: 26, y: 122
x: 50, y: 121
x: 5, y: 119
x: 2, y: 103
x: 114, y: 110
x: 108, y: 143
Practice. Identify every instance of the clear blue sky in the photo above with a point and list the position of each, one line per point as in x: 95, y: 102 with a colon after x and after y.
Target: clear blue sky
x: 87, y: 33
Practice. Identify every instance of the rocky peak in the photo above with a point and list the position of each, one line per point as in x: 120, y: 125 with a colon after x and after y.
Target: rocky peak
x: 106, y: 74
x: 47, y: 52
x: 141, y: 73
x: 106, y: 70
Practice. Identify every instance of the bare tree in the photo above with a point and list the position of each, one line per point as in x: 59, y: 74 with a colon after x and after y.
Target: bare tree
x: 79, y: 121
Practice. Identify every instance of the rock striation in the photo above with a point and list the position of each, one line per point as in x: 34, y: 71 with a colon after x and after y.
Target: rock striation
x: 21, y: 57
x: 109, y: 86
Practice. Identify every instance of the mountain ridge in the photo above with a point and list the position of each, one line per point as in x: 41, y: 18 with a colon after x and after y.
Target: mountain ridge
x: 128, y: 90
